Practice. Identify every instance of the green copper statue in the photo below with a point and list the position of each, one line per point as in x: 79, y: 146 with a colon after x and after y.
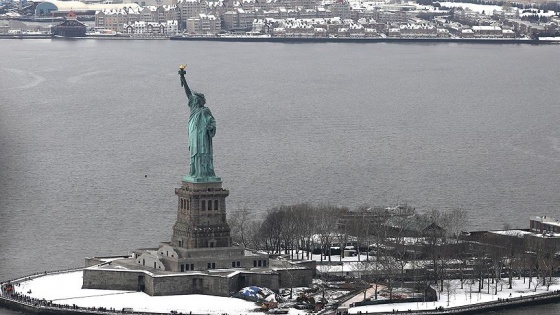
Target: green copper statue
x: 202, y: 127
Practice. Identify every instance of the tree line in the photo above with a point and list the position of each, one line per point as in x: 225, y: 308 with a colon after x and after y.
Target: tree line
x: 396, y: 244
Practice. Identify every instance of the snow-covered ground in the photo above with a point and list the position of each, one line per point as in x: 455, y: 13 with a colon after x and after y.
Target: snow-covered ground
x: 67, y: 289
x: 461, y: 297
x: 488, y: 9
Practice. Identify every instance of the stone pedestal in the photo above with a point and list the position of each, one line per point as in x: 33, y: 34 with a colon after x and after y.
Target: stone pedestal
x: 201, y: 216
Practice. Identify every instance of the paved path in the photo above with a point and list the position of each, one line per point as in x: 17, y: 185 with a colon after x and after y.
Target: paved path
x: 360, y: 296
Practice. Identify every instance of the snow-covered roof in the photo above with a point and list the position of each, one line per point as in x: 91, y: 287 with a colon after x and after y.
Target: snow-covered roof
x: 518, y: 233
x: 486, y: 28
x: 80, y: 6
x: 417, y: 27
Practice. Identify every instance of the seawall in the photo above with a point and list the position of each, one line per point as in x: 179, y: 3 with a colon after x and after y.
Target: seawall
x: 550, y: 297
x: 31, y: 308
x: 364, y: 40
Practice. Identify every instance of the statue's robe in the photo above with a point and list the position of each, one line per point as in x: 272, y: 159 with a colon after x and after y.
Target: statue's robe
x: 202, y: 127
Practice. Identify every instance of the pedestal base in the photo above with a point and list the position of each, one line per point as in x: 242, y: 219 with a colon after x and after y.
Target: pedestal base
x: 191, y: 179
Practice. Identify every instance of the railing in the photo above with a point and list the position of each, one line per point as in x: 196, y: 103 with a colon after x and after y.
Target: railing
x: 484, y: 306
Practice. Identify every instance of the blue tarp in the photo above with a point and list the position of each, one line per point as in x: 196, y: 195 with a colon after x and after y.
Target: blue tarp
x: 255, y: 294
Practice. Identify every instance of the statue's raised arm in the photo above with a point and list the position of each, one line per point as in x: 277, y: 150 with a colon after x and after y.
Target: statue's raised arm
x: 184, y: 84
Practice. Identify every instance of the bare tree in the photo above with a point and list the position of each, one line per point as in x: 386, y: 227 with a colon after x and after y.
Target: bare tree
x: 400, y: 228
x: 358, y: 227
x: 551, y: 281
x: 454, y: 222
x: 239, y: 222
x: 326, y: 224
x: 254, y: 239
x: 303, y: 216
x: 450, y: 289
x: 289, y: 229
x: 390, y: 268
x: 271, y: 230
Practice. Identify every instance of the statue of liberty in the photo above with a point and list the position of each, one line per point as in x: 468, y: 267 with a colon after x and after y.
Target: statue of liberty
x: 202, y: 128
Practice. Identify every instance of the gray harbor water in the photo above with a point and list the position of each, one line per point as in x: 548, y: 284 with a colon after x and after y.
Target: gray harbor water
x: 93, y: 135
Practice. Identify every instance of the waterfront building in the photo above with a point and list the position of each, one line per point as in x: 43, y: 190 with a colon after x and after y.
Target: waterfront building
x: 543, y: 225
x: 70, y: 28
x: 4, y: 26
x: 307, y: 13
x: 152, y: 2
x: 230, y: 19
x: 389, y: 17
x: 538, y: 245
x: 147, y: 14
x: 323, y: 12
x: 152, y: 28
x: 394, y: 32
x: 258, y: 25
x: 187, y: 9
x: 248, y: 5
x: 203, y: 24
x: 522, y: 27
x: 418, y: 30
x: 507, y: 33
x: 239, y: 19
x: 484, y: 31
x: 55, y: 8
x: 467, y: 33
x: 272, y: 14
x: 164, y: 13
x: 115, y: 19
x: 340, y: 9
x: 124, y: 19
x: 443, y: 33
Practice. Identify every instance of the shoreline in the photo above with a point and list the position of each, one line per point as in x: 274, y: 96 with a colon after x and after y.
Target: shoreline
x: 367, y: 40
x: 296, y: 40
x: 28, y: 305
x: 36, y: 309
x: 486, y: 307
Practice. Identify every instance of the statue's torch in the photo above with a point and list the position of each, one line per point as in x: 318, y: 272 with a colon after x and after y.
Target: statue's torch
x: 182, y: 69
x: 182, y: 73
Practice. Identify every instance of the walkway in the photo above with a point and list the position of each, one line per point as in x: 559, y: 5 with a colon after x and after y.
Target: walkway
x: 360, y: 296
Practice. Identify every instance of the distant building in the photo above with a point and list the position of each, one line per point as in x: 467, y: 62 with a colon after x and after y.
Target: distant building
x: 418, y: 30
x: 543, y: 225
x: 187, y: 9
x: 150, y: 2
x: 484, y: 31
x: 542, y: 238
x: 203, y: 24
x: 340, y: 9
x: 70, y: 28
x: 55, y: 8
x: 152, y: 28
